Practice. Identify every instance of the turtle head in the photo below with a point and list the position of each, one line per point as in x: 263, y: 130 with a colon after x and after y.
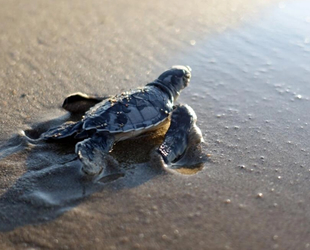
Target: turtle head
x: 176, y: 79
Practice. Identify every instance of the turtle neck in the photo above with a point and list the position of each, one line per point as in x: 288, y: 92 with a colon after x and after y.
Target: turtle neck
x: 171, y: 92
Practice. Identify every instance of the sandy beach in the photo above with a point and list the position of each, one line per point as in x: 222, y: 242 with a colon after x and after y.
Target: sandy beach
x: 249, y: 88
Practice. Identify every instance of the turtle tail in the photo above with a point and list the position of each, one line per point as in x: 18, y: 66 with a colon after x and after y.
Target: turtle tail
x: 62, y: 131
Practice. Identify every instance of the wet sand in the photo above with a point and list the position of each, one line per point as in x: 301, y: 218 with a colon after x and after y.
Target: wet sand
x: 250, y: 67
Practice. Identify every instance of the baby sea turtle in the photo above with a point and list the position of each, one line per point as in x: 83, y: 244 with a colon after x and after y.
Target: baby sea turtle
x: 128, y: 115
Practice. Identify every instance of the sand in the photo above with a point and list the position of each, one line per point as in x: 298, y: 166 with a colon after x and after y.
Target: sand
x: 250, y: 67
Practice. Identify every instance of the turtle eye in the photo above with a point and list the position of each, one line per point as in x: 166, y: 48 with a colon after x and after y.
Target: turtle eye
x: 186, y: 81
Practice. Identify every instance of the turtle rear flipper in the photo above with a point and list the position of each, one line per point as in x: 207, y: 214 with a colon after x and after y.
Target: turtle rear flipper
x: 182, y: 135
x: 79, y: 103
x: 62, y: 131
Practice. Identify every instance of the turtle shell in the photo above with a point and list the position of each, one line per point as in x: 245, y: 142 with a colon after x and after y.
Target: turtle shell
x: 130, y: 111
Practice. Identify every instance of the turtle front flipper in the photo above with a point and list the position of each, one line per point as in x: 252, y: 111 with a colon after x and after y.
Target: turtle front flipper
x: 182, y: 135
x: 79, y: 103
x: 94, y: 153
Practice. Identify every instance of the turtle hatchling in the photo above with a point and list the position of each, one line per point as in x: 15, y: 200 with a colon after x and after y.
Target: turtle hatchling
x: 128, y: 115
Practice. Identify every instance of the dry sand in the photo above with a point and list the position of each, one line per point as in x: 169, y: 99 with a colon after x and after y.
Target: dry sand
x: 250, y: 62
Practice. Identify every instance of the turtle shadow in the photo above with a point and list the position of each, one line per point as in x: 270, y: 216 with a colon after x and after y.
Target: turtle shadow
x: 53, y: 182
